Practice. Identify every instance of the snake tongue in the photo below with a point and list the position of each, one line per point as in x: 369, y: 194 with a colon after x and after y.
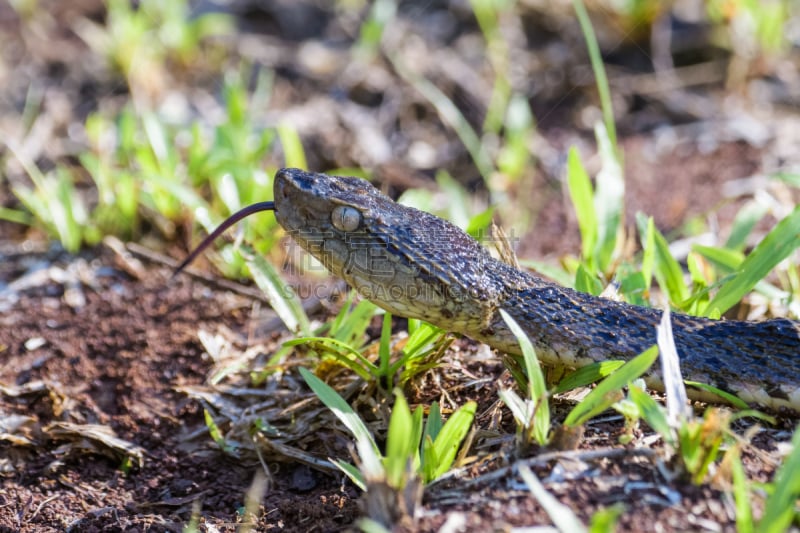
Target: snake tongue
x: 227, y: 223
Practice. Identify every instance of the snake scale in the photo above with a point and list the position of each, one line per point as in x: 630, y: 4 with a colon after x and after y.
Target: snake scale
x: 417, y: 265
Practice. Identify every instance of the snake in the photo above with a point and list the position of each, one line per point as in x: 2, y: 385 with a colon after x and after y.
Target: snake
x: 416, y: 265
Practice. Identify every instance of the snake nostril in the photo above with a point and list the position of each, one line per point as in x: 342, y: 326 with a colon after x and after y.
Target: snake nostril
x: 306, y: 213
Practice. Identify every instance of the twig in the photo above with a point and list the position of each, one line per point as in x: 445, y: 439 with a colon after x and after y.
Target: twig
x: 543, y: 459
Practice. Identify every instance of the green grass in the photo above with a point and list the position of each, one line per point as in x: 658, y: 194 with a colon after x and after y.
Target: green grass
x: 145, y: 41
x: 780, y: 505
x: 146, y: 180
x: 417, y: 451
x: 54, y: 204
x: 345, y: 345
x: 532, y: 414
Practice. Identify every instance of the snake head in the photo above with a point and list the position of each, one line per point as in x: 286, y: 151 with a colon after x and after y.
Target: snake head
x: 409, y: 262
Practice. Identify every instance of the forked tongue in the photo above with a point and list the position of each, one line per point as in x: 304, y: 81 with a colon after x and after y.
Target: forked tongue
x: 227, y: 223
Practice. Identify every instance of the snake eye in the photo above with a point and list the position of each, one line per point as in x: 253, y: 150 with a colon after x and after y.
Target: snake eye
x: 345, y: 218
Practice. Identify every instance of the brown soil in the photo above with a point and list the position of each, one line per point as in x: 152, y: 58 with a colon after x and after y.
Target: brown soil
x: 116, y: 361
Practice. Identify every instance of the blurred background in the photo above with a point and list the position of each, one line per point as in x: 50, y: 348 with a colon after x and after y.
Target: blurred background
x: 146, y: 119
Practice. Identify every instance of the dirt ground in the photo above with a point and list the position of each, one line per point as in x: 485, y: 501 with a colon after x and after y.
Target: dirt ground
x: 105, y: 379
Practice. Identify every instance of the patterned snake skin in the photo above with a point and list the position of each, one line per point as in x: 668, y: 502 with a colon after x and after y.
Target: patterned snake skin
x: 416, y: 265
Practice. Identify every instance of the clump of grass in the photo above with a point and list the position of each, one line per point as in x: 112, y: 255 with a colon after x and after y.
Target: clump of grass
x: 145, y: 40
x: 417, y: 452
x: 421, y: 351
x: 150, y: 173
x: 532, y: 414
x: 54, y: 204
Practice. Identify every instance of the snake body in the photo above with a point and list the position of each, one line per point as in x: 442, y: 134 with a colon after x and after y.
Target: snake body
x: 417, y: 265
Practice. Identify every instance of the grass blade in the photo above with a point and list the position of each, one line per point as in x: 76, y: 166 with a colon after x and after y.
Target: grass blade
x: 385, y: 351
x: 15, y: 215
x: 678, y: 408
x: 286, y: 304
x: 667, y: 270
x: 609, y: 198
x: 519, y: 408
x: 349, y: 325
x: 780, y: 507
x: 648, y: 253
x: 652, y: 413
x: 368, y: 366
x: 727, y: 396
x: 725, y: 259
x: 434, y: 423
x: 293, y: 151
x: 381, y: 14
x: 537, y: 387
x: 776, y: 246
x: 587, y: 282
x: 399, y: 448
x: 352, y: 472
x: 581, y: 194
x: 741, y: 494
x: 367, y: 449
x: 744, y: 222
x: 599, y: 69
x: 604, y: 394
x: 424, y: 335
x: 587, y: 375
x: 562, y: 516
x: 449, y: 439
